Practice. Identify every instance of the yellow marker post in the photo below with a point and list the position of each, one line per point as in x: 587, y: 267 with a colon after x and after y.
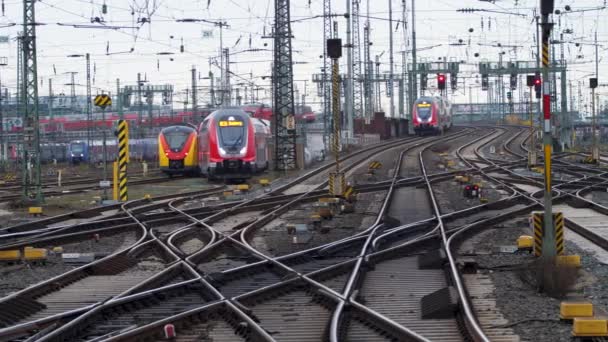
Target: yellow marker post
x: 115, y: 181
x: 123, y: 159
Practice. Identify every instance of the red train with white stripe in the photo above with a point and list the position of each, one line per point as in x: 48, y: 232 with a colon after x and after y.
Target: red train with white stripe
x: 232, y: 145
x: 432, y: 115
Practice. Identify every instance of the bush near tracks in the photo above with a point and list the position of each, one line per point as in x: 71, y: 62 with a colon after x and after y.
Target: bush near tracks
x: 555, y: 280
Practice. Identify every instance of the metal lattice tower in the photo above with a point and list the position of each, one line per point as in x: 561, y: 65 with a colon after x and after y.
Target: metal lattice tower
x: 284, y: 121
x: 357, y: 76
x: 368, y: 90
x: 19, y: 67
x: 89, y: 107
x: 327, y: 34
x: 32, y: 189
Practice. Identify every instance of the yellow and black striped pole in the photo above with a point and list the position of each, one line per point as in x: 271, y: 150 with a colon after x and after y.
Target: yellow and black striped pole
x: 123, y: 159
x: 549, y: 250
x: 337, y: 183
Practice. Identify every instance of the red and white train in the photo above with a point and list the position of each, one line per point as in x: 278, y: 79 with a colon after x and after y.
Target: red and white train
x: 432, y: 115
x: 233, y: 145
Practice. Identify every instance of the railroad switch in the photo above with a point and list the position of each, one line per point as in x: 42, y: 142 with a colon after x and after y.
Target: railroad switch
x: 316, y: 221
x: 148, y: 197
x: 462, y: 179
x: 589, y: 327
x: 440, y: 304
x: 35, y: 211
x: 34, y: 254
x: 264, y: 182
x: 350, y: 194
x: 347, y: 208
x: 242, y: 187
x: 571, y: 310
x: 10, y: 256
x: 432, y: 260
x: 589, y: 160
x: 468, y: 266
x: 569, y: 260
x: 525, y: 243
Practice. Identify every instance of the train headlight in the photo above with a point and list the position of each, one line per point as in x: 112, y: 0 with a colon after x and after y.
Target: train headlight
x: 72, y: 154
x: 243, y: 150
x: 222, y: 151
x: 186, y: 154
x: 82, y: 155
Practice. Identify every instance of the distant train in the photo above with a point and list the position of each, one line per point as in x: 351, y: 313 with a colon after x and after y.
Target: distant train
x: 432, y: 115
x: 228, y: 144
x: 233, y: 145
x: 79, y: 151
x: 177, y: 150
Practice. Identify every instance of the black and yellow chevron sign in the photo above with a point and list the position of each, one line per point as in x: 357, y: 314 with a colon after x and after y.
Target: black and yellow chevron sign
x: 558, y: 221
x: 102, y: 101
x: 123, y: 159
x: 375, y: 165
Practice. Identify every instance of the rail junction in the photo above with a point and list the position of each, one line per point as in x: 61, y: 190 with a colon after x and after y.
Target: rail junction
x: 406, y: 263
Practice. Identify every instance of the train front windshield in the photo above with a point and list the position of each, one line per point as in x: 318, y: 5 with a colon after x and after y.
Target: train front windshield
x: 424, y: 110
x: 177, y: 137
x: 232, y: 132
x: 77, y: 148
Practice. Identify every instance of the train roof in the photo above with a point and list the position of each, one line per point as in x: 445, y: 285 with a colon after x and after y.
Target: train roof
x: 178, y: 128
x: 228, y: 111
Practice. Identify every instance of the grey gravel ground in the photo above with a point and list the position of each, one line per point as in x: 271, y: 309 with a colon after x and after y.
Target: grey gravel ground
x: 274, y: 240
x: 535, y: 315
x: 20, y: 276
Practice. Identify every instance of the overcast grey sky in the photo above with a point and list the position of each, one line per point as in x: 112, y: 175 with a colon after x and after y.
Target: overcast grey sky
x: 437, y: 22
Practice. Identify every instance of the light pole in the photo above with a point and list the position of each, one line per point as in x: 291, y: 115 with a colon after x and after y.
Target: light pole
x: 595, y: 150
x: 87, y: 57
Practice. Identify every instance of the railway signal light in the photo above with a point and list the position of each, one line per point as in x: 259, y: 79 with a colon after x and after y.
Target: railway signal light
x: 441, y: 81
x: 530, y: 80
x: 484, y: 82
x: 509, y: 95
x: 334, y: 48
x: 593, y: 83
x: 513, y: 81
x: 538, y: 85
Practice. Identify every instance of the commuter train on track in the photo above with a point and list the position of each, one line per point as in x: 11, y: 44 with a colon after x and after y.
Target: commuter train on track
x: 228, y: 144
x: 432, y: 115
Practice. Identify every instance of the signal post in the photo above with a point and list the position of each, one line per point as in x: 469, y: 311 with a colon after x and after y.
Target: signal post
x: 531, y: 82
x: 120, y: 168
x: 337, y: 182
x: 549, y: 243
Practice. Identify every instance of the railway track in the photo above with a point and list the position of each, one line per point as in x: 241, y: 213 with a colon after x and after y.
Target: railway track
x: 210, y: 277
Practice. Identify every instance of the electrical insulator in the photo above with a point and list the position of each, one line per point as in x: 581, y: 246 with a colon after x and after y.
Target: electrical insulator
x: 104, y: 8
x: 485, y: 84
x: 181, y: 47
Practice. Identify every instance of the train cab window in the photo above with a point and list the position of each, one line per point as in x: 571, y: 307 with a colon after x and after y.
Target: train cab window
x: 176, y: 137
x: 232, y: 131
x: 424, y: 110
